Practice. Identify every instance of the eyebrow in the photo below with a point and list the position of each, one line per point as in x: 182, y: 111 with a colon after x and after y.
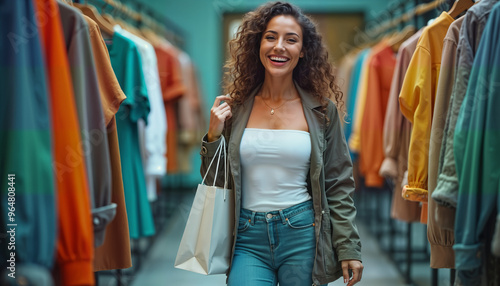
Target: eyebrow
x: 287, y: 34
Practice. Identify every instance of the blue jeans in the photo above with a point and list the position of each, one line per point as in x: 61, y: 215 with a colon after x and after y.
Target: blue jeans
x: 275, y: 247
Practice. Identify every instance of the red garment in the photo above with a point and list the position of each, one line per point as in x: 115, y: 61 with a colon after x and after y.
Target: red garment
x: 172, y: 88
x: 75, y: 245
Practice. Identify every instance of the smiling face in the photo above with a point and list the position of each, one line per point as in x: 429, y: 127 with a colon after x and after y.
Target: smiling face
x: 281, y: 46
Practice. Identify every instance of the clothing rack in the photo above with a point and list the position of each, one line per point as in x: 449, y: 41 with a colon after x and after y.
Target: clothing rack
x: 406, y: 16
x: 143, y: 15
x: 392, y: 233
x: 162, y: 210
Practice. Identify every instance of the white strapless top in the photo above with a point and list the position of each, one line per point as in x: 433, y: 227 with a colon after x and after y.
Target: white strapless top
x: 275, y: 164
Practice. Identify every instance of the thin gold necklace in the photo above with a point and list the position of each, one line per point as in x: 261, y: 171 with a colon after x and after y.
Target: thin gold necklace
x: 275, y: 108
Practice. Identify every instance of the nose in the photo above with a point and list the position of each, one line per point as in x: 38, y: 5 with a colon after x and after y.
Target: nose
x: 279, y: 46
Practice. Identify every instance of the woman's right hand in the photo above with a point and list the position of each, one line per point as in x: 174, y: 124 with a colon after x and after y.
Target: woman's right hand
x: 218, y: 115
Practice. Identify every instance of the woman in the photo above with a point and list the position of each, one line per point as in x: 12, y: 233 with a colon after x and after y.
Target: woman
x: 289, y: 162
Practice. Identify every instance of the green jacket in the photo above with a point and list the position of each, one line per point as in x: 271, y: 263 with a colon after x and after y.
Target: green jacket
x: 330, y: 182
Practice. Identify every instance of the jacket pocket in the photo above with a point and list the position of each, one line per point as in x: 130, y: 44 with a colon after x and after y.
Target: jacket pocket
x: 330, y: 259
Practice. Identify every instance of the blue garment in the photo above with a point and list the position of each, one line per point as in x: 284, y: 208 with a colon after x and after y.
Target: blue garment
x: 25, y: 138
x: 276, y: 246
x: 126, y: 63
x: 476, y: 141
x: 353, y: 92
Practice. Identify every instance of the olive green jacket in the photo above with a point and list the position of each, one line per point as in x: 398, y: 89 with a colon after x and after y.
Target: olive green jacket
x: 329, y: 182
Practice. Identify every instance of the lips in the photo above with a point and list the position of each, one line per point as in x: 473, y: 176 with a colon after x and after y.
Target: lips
x: 278, y: 59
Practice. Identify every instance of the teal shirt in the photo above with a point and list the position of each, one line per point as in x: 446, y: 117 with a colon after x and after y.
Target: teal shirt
x: 126, y: 63
x: 353, y: 92
x: 476, y: 149
x: 25, y: 139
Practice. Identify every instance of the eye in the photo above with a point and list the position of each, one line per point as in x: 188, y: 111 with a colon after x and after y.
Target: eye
x: 269, y: 37
x: 292, y: 40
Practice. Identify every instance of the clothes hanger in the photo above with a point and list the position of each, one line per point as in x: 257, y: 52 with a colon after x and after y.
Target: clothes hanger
x: 149, y: 35
x: 91, y: 12
x: 459, y: 7
x: 399, y: 38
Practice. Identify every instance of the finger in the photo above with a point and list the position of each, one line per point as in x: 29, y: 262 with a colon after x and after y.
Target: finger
x: 224, y: 109
x: 223, y: 105
x: 227, y: 114
x: 220, y: 98
x: 355, y: 276
x: 218, y: 112
x: 219, y: 109
x: 345, y: 272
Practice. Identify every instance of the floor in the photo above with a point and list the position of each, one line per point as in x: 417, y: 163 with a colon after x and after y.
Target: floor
x: 157, y: 268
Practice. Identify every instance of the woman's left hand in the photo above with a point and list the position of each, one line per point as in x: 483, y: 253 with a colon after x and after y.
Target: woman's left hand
x: 357, y: 271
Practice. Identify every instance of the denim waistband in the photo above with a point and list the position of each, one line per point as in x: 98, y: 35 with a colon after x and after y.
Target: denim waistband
x: 277, y: 215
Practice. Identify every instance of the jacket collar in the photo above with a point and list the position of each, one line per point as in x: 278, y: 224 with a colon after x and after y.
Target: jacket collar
x: 308, y: 100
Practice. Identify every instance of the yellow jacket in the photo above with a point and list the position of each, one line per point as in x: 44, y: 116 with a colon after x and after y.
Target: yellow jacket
x: 416, y: 101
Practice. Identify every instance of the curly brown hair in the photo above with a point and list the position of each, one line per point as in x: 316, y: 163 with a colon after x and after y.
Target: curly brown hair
x: 244, y: 70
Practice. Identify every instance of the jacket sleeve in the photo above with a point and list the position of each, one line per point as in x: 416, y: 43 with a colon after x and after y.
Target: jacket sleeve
x: 339, y: 184
x: 415, y: 101
x: 447, y: 183
x: 476, y: 139
x: 208, y: 150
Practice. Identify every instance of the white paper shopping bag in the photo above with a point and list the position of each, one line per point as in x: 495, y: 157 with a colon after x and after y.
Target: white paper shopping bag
x: 207, y: 240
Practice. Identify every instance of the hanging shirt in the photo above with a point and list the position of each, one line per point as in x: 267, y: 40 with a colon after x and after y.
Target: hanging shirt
x: 344, y: 73
x: 90, y: 116
x: 191, y: 125
x: 75, y: 242
x: 359, y: 109
x: 441, y: 239
x: 26, y: 138
x: 473, y: 25
x: 115, y: 252
x: 381, y: 69
x: 172, y: 88
x: 127, y: 65
x: 152, y: 136
x: 353, y: 93
x: 396, y: 137
x: 476, y: 141
x: 110, y: 91
x: 416, y: 101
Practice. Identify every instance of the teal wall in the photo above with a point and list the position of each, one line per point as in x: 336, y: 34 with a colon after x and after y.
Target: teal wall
x: 201, y: 23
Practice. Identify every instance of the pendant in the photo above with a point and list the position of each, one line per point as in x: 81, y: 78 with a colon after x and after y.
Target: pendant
x: 272, y: 111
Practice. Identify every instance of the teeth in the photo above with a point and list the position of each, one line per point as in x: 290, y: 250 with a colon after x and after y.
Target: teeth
x: 278, y: 59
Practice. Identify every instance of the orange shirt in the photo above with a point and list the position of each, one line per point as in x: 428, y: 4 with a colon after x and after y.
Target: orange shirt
x: 75, y: 245
x: 172, y: 88
x: 115, y: 252
x: 380, y: 71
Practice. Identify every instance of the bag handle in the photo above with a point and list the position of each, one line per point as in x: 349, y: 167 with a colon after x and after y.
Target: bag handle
x: 218, y: 153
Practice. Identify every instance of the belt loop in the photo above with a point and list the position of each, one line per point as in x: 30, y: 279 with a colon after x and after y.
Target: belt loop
x: 283, y: 218
x: 252, y: 219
